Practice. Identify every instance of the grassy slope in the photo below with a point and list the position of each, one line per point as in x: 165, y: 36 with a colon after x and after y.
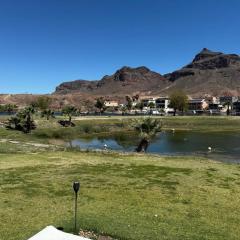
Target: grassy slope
x: 127, y: 196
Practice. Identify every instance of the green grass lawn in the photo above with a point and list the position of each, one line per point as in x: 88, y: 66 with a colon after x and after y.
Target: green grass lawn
x: 129, y: 197
x: 135, y: 197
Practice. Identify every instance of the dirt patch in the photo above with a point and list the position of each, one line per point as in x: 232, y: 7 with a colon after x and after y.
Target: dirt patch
x: 94, y: 236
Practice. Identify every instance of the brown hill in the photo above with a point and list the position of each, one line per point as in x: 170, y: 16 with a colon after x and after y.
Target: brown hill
x: 127, y: 80
x: 210, y: 73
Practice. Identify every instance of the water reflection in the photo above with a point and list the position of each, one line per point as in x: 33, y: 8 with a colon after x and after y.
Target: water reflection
x: 223, y: 146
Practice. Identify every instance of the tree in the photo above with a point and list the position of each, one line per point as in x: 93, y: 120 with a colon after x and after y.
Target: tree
x: 69, y: 111
x: 135, y: 98
x: 147, y: 128
x: 228, y: 102
x: 178, y: 101
x: 123, y: 109
x: 9, y: 108
x: 43, y: 104
x: 151, y: 105
x: 48, y: 113
x: 100, y: 104
x: 129, y: 104
x: 23, y: 121
x: 140, y: 106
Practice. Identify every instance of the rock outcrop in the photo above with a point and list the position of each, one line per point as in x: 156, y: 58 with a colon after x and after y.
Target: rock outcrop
x: 210, y: 73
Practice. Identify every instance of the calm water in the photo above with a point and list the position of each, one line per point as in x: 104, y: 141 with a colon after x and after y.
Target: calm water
x: 225, y: 145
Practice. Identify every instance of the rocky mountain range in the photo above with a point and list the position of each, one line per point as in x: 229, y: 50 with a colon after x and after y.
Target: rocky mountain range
x: 124, y: 81
x: 210, y: 73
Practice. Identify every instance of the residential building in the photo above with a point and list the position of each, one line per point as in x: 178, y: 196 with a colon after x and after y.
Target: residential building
x: 162, y: 102
x: 227, y: 99
x: 197, y: 104
x: 236, y: 107
x: 146, y: 101
x: 111, y: 103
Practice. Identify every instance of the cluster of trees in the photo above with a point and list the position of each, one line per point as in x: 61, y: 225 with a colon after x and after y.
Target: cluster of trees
x: 43, y: 105
x: 8, y: 108
x: 23, y: 119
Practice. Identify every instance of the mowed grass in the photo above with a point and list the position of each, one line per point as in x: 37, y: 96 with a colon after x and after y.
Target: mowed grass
x: 135, y: 197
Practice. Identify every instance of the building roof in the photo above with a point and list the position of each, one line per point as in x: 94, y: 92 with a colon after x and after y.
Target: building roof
x: 200, y: 100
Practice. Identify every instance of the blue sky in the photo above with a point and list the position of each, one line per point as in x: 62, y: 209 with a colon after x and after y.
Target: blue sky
x: 46, y: 42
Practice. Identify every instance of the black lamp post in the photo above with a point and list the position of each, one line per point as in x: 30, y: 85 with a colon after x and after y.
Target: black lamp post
x: 76, y: 187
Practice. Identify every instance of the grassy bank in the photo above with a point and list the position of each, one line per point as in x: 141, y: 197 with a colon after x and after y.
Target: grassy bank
x: 126, y: 196
x: 88, y: 126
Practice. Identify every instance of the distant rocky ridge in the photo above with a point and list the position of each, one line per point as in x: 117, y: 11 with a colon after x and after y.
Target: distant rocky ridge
x: 210, y: 73
x: 125, y: 81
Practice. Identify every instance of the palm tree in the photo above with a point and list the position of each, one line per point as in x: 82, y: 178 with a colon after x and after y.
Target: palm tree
x: 147, y: 128
x: 23, y: 121
x: 27, y: 115
x: 48, y: 113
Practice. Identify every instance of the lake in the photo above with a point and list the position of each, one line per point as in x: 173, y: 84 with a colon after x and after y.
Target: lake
x: 225, y: 146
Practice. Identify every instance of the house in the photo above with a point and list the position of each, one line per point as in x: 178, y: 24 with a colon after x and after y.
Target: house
x: 213, y: 104
x: 228, y: 99
x: 197, y: 104
x: 111, y: 103
x: 236, y: 107
x: 147, y: 101
x: 162, y: 102
x: 227, y: 103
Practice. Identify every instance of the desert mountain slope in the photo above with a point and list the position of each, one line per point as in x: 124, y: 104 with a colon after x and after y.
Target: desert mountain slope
x: 212, y: 73
x: 209, y: 73
x: 124, y: 81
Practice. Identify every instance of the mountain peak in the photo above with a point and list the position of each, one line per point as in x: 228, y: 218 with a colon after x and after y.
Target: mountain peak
x: 206, y: 50
x: 205, y: 53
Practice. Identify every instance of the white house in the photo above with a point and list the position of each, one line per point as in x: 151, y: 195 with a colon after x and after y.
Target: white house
x: 197, y: 104
x: 146, y: 101
x: 163, y: 102
x: 111, y: 103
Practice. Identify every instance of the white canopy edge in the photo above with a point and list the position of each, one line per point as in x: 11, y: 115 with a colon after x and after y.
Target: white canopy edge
x: 51, y: 233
